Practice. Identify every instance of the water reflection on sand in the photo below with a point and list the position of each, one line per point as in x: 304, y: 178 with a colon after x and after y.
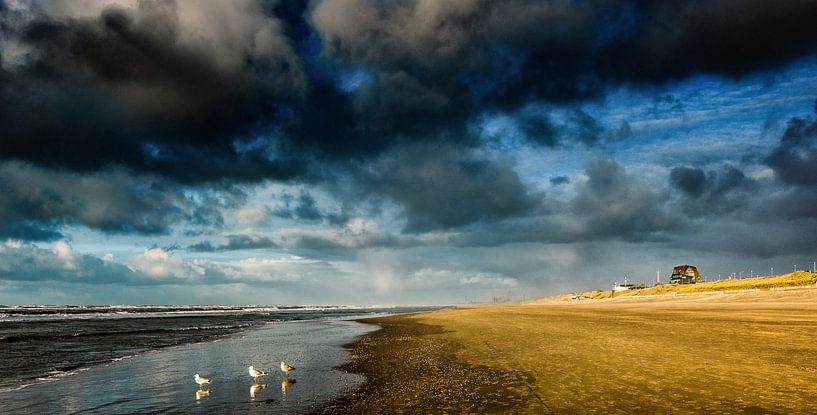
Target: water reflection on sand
x: 202, y: 393
x: 286, y: 384
x: 255, y: 388
x: 160, y: 381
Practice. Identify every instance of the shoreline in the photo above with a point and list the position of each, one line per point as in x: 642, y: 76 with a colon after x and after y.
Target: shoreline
x: 747, y: 352
x: 41, y: 343
x: 161, y: 381
x: 56, y: 374
x: 59, y: 375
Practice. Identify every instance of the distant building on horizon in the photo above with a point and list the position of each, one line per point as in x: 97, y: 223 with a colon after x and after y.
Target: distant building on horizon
x: 685, y: 274
x: 625, y: 286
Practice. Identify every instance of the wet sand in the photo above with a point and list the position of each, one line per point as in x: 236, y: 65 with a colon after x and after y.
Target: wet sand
x: 725, y: 353
x: 161, y: 381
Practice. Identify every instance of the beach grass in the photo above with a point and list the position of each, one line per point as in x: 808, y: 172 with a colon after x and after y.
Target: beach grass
x: 751, y: 352
x: 794, y: 279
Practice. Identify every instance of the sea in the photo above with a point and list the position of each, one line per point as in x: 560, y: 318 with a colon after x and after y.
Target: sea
x: 142, y: 359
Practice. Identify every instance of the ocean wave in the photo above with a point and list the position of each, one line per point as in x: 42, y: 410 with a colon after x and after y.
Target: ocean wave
x: 51, y: 336
x: 53, y: 376
x: 136, y: 310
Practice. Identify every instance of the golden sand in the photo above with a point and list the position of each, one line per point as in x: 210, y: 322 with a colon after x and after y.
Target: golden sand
x: 746, y: 352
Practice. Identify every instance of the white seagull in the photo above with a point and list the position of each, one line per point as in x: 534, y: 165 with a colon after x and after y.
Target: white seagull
x: 200, y: 380
x: 255, y: 373
x: 286, y: 368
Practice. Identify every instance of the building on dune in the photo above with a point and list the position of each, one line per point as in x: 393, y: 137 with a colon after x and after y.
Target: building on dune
x: 685, y: 274
x: 625, y: 286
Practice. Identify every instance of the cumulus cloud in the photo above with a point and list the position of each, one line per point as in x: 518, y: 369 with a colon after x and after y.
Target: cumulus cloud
x: 20, y: 261
x: 160, y: 263
x: 263, y: 269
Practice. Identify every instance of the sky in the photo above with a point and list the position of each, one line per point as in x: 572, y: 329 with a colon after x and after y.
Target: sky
x: 399, y: 152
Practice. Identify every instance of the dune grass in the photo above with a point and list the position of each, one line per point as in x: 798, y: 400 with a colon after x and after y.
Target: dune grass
x: 794, y: 279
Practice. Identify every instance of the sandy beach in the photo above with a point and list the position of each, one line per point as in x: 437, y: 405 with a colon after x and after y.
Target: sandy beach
x: 718, y: 353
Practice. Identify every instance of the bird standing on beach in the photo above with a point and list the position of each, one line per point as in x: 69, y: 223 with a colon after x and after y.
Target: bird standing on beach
x: 286, y: 368
x: 200, y: 380
x: 255, y: 373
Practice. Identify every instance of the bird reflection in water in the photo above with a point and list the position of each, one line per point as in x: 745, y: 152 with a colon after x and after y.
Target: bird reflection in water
x: 202, y: 393
x: 286, y: 384
x: 255, y: 388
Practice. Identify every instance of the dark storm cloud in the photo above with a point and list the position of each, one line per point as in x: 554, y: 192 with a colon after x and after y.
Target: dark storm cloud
x: 718, y: 210
x: 31, y: 230
x: 392, y: 96
x: 731, y: 37
x: 562, y: 50
x: 790, y: 204
x: 610, y: 203
x: 692, y: 181
x: 481, y: 203
x: 250, y: 98
x: 539, y: 129
x: 794, y: 162
x: 159, y: 99
x: 709, y: 193
x: 432, y: 67
x: 35, y: 202
x: 587, y: 129
x: 617, y: 204
x: 133, y: 87
x: 442, y: 186
x: 794, y: 158
x: 158, y: 90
